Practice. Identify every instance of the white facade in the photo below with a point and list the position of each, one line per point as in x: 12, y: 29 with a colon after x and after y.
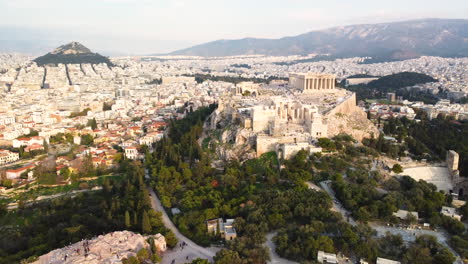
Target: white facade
x: 17, y: 143
x: 386, y: 261
x: 450, y: 212
x: 131, y: 153
x: 327, y: 258
x: 7, y: 156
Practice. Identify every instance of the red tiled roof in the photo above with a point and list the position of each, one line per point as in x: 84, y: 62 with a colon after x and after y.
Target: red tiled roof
x: 21, y: 169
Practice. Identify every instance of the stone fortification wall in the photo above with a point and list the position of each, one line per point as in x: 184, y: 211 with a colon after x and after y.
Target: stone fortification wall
x: 266, y: 144
x: 348, y: 118
x: 348, y: 106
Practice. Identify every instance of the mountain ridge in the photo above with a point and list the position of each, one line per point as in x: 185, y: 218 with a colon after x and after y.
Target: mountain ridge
x: 403, y: 39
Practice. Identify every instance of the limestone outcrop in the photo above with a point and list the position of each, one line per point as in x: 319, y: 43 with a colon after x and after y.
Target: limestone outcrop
x: 107, y: 249
x: 348, y: 118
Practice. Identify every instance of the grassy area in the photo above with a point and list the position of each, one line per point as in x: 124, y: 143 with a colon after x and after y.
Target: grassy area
x: 33, y: 193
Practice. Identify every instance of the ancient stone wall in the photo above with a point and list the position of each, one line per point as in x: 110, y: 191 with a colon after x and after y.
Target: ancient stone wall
x: 266, y: 144
x: 348, y: 106
x: 348, y: 118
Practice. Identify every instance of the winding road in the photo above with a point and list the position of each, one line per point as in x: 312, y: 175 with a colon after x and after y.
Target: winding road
x: 190, y: 251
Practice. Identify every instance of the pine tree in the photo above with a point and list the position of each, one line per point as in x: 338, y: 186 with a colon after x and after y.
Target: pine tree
x: 127, y: 220
x: 145, y: 223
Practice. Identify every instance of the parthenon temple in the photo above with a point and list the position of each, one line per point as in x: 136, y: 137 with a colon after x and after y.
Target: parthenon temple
x: 312, y: 82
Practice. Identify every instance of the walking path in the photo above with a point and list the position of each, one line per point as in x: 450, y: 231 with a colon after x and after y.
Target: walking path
x: 275, y: 258
x: 180, y: 254
x: 337, y: 206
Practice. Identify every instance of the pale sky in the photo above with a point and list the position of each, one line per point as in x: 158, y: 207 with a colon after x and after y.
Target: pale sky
x: 154, y: 26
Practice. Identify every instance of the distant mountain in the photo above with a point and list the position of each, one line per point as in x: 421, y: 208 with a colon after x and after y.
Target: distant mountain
x: 387, y: 41
x: 72, y: 53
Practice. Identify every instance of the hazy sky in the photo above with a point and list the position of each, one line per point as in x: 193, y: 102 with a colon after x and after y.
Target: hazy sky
x: 149, y: 26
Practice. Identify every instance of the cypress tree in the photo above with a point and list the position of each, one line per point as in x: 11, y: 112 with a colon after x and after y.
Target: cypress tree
x: 145, y: 223
x: 127, y: 220
x: 135, y: 219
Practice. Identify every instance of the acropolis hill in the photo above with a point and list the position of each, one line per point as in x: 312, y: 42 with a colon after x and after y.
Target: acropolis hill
x: 286, y: 118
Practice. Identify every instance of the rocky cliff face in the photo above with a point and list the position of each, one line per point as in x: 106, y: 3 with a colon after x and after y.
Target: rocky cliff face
x: 348, y: 118
x: 109, y: 248
x: 355, y: 124
x: 72, y: 48
x: 227, y: 138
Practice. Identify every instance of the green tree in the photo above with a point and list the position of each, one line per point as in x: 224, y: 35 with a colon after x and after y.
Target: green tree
x: 444, y: 256
x: 326, y: 144
x: 87, y: 139
x: 128, y: 224
x: 130, y: 260
x: 65, y: 173
x: 200, y: 261
x: 87, y: 167
x: 417, y: 255
x: 226, y: 256
x: 107, y: 106
x: 145, y: 223
x: 171, y: 239
x: 46, y: 146
x: 92, y: 123
x: 143, y: 255
x: 397, y: 168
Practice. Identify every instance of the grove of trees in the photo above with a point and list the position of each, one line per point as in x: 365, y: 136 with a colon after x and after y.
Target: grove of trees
x: 122, y: 205
x: 264, y: 197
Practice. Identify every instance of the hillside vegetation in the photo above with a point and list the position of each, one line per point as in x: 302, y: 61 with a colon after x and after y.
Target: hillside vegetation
x: 396, y: 83
x: 400, y: 80
x: 72, y: 53
x: 54, y: 59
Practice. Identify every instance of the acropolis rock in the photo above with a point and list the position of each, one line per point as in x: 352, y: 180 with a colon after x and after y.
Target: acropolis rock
x: 286, y: 120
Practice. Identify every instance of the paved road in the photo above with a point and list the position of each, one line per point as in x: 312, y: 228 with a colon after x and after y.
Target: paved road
x: 191, y: 250
x: 275, y: 258
x: 337, y: 206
